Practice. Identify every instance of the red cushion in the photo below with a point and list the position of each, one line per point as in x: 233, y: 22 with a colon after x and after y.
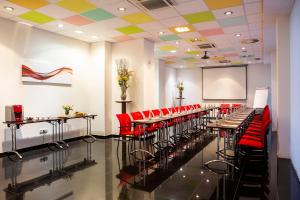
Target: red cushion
x: 251, y: 143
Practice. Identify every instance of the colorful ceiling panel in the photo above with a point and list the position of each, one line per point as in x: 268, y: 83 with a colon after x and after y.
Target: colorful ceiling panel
x: 182, y: 32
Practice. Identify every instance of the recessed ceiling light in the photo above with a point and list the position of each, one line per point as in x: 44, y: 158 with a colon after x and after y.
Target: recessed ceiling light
x: 228, y: 13
x: 94, y: 37
x: 238, y: 35
x: 173, y: 51
x: 207, y: 180
x: 198, y: 55
x: 176, y: 42
x: 122, y: 9
x: 25, y: 23
x: 243, y: 48
x: 197, y: 196
x: 182, y: 29
x: 8, y: 8
x: 161, y: 33
x: 79, y: 32
x: 188, y: 49
x: 60, y: 26
x: 183, y: 176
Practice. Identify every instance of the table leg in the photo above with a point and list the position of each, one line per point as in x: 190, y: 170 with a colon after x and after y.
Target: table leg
x: 14, y: 142
x: 89, y: 131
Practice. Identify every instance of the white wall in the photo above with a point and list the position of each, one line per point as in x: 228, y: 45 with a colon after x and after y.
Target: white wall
x: 295, y: 83
x: 259, y: 75
x: 167, y: 85
x: 20, y: 42
x: 283, y: 83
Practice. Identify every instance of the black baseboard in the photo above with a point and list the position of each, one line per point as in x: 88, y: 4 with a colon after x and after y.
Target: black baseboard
x: 40, y: 146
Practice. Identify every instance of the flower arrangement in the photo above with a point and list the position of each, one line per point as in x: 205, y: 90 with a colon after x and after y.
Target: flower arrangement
x: 123, y: 77
x: 67, y: 109
x: 180, y: 88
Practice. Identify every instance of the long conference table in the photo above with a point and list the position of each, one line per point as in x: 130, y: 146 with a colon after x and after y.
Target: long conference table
x: 231, y: 127
x: 209, y: 111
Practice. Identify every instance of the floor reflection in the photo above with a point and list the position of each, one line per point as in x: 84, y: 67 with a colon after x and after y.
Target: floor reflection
x: 93, y: 172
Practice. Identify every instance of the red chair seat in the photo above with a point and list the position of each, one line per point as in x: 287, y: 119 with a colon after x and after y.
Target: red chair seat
x: 251, y: 143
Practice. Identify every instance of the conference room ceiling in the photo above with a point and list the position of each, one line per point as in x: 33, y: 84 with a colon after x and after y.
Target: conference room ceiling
x: 223, y: 28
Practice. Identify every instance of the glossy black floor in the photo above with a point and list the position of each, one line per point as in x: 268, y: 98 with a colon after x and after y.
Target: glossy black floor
x: 93, y: 171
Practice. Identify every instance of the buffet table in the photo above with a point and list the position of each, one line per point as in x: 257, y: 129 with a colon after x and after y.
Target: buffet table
x: 57, y: 130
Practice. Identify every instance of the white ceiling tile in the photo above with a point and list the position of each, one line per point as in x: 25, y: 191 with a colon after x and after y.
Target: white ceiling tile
x: 251, y: 1
x: 191, y: 7
x: 142, y: 35
x: 189, y: 35
x: 253, y: 8
x: 101, y: 3
x: 113, y: 8
x: 206, y: 25
x: 254, y: 26
x: 255, y: 18
x: 151, y: 26
x: 163, y: 13
x: 236, y: 29
x: 237, y: 11
x: 55, y: 11
x: 109, y: 24
x: 174, y: 21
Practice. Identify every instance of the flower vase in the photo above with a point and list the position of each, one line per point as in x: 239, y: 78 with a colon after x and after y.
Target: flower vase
x: 180, y: 93
x: 67, y: 112
x: 123, y: 93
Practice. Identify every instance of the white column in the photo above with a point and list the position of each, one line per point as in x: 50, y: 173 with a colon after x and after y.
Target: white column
x: 283, y: 90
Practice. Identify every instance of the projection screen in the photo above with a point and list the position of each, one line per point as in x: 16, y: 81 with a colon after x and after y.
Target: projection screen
x: 224, y: 83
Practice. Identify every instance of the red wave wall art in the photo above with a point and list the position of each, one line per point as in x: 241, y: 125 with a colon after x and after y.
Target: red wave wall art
x: 28, y: 72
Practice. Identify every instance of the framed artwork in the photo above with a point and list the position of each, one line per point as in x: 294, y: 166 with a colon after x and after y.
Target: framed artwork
x: 46, y: 73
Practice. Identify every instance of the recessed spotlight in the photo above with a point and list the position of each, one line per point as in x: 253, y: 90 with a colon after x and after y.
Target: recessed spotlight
x: 8, y: 8
x: 238, y: 35
x: 243, y: 48
x: 228, y: 13
x: 161, y: 33
x: 197, y: 55
x: 201, y: 172
x: 207, y: 180
x: 183, y: 176
x: 25, y: 23
x: 79, y: 32
x: 188, y: 49
x: 182, y: 29
x: 181, y: 169
x: 173, y: 51
x: 61, y: 26
x: 176, y: 42
x: 122, y: 9
x: 94, y: 37
x: 197, y: 196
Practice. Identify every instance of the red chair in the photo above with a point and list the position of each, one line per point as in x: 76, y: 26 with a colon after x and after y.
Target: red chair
x: 165, y: 111
x: 138, y: 116
x: 156, y: 113
x: 147, y: 113
x: 126, y: 126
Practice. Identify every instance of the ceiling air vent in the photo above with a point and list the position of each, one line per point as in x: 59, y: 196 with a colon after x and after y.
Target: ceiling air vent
x: 206, y: 46
x: 154, y: 4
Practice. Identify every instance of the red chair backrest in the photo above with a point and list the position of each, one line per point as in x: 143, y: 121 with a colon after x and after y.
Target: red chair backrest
x: 125, y: 123
x: 177, y: 109
x: 165, y: 111
x: 236, y: 105
x: 136, y: 115
x: 182, y: 108
x: 156, y: 112
x: 198, y: 105
x: 147, y: 113
x: 172, y: 110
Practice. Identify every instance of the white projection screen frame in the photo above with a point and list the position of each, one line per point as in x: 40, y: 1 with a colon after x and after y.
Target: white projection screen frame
x: 224, y: 83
